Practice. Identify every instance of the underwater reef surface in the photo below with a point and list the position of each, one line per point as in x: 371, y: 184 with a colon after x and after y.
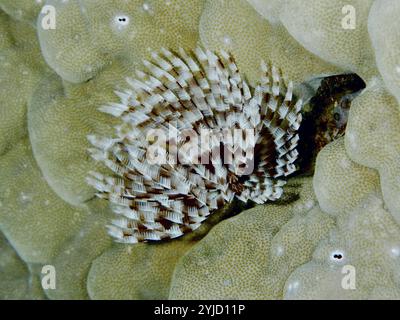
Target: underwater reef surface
x: 340, y: 217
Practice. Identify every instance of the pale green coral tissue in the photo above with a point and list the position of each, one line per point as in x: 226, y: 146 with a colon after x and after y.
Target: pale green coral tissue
x: 52, y: 83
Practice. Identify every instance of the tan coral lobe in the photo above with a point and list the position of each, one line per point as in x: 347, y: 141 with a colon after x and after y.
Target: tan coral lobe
x: 197, y: 92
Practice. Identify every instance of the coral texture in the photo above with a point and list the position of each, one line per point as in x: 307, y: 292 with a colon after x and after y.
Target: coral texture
x: 383, y: 28
x: 366, y: 238
x: 317, y: 25
x: 250, y: 39
x: 52, y: 82
x: 233, y: 265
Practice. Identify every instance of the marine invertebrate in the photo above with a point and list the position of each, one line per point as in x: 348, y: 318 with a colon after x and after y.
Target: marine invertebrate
x: 325, y: 116
x: 247, y: 145
x: 333, y: 101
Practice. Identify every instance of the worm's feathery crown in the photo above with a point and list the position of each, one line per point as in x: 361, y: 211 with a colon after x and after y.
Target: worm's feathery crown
x: 192, y: 92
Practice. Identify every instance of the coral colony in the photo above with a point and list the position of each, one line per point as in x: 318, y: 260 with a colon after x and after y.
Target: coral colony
x: 194, y: 135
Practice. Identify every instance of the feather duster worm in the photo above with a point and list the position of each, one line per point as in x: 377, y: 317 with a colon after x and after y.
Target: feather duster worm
x: 242, y: 142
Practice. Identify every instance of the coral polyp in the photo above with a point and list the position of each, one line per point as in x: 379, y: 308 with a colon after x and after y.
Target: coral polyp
x: 193, y: 135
